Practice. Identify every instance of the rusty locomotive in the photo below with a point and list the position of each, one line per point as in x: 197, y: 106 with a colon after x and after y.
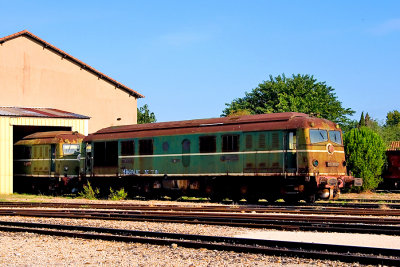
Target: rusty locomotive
x: 47, y: 161
x: 270, y: 156
x: 291, y: 155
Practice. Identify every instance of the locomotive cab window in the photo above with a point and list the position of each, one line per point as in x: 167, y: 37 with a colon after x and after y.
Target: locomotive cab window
x: 70, y: 149
x: 208, y: 144
x: 127, y: 148
x: 230, y: 143
x: 336, y: 137
x: 318, y: 136
x: 292, y: 140
x: 146, y: 147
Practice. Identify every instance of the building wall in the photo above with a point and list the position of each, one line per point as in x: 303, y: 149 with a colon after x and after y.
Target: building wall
x: 6, y: 142
x: 33, y: 76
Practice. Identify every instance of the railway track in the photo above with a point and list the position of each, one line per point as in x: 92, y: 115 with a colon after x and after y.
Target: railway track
x: 284, y: 248
x: 370, y: 225
x: 316, y: 210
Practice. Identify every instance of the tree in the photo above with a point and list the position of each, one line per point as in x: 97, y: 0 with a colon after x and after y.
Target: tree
x: 365, y: 155
x: 300, y: 93
x: 367, y: 119
x: 361, y: 123
x: 144, y: 115
x: 393, y: 118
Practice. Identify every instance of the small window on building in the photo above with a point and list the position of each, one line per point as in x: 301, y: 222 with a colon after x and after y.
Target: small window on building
x: 127, y: 148
x: 208, y: 144
x: 106, y: 154
x: 146, y: 147
x: 230, y: 143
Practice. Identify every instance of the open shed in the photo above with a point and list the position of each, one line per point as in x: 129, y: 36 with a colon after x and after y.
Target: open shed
x: 16, y: 122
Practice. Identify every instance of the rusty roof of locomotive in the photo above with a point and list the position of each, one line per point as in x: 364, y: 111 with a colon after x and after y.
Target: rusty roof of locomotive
x: 272, y: 121
x: 51, y: 137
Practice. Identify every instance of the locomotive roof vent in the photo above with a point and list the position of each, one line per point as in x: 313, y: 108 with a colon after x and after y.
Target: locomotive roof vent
x: 211, y: 124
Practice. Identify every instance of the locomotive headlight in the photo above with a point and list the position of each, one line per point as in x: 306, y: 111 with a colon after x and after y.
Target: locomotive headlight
x: 66, y: 168
x: 315, y: 163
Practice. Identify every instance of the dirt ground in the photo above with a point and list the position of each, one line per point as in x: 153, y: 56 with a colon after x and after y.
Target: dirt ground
x: 41, y: 198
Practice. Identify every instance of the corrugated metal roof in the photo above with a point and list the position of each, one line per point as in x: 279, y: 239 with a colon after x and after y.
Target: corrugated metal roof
x: 395, y: 145
x: 67, y: 56
x: 39, y: 112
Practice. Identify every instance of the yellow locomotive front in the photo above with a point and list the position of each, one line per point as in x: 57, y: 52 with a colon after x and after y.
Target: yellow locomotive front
x: 322, y: 158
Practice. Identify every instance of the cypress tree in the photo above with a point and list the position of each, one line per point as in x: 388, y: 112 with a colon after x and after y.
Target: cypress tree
x: 367, y: 119
x: 365, y: 155
x: 361, y: 123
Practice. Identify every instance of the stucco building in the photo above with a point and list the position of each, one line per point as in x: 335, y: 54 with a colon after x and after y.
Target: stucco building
x: 42, y: 88
x: 34, y: 73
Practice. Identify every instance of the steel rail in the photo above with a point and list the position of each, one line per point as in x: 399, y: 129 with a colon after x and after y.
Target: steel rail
x: 241, y: 209
x: 281, y: 222
x: 367, y: 255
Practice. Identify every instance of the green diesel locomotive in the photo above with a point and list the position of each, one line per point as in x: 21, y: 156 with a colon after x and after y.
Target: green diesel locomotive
x: 47, y: 161
x: 282, y: 155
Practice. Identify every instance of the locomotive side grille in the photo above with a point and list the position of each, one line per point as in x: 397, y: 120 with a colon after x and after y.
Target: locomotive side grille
x: 261, y: 141
x: 275, y: 140
x: 249, y: 141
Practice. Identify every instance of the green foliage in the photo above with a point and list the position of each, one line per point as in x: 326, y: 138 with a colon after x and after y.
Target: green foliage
x: 300, y: 93
x: 390, y: 133
x: 144, y: 115
x: 365, y: 155
x: 367, y: 119
x: 88, y: 192
x: 117, y: 195
x: 361, y: 123
x: 348, y: 125
x: 393, y: 118
x: 239, y: 112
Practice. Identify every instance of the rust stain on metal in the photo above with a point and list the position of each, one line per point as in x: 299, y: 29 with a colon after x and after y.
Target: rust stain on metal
x: 273, y: 121
x: 51, y: 138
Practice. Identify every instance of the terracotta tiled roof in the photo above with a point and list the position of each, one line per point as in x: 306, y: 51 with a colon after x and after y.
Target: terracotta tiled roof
x: 395, y: 145
x: 77, y: 61
x: 39, y: 112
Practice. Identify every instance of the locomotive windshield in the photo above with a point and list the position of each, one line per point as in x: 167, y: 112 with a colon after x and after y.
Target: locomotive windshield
x: 70, y: 149
x: 318, y: 136
x: 335, y: 137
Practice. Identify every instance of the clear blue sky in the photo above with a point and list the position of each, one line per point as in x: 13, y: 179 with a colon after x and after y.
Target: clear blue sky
x: 190, y: 57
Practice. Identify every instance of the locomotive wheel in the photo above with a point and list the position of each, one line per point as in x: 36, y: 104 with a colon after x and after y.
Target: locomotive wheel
x: 216, y: 198
x: 291, y: 199
x: 310, y: 198
x: 252, y: 199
